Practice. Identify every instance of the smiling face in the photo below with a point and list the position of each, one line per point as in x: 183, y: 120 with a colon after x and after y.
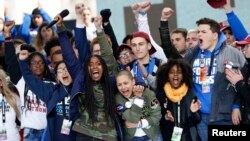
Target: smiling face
x: 95, y: 69
x: 125, y: 85
x: 175, y: 77
x: 63, y: 75
x: 126, y: 56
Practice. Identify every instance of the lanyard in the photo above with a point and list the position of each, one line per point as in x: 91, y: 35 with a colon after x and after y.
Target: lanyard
x: 203, y: 61
x: 178, y: 114
x: 3, y: 110
x: 64, y: 108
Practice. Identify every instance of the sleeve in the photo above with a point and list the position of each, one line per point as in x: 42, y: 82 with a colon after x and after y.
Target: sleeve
x: 107, y: 54
x: 155, y: 109
x: 43, y: 90
x: 237, y: 27
x: 82, y: 44
x: 11, y: 60
x: 24, y: 30
x: 243, y: 89
x: 73, y: 64
x: 45, y: 15
x: 108, y: 29
x: 194, y: 117
x: 143, y: 25
x: 151, y: 81
x: 132, y: 114
x: 169, y: 50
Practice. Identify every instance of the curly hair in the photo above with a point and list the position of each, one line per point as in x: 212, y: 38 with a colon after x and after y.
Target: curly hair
x: 163, y: 71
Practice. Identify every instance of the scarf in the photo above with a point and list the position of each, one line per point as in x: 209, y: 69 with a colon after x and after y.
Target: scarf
x: 175, y: 95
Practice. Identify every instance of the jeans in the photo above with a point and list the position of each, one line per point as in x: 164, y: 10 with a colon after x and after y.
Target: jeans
x: 203, y: 126
x: 159, y: 137
x: 32, y: 134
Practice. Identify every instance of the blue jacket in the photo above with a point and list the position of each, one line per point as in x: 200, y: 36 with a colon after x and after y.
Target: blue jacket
x: 25, y: 28
x: 75, y: 66
x: 237, y: 27
x: 52, y: 94
x: 222, y: 98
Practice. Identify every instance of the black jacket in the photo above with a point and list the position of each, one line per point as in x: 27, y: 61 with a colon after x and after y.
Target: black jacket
x: 188, y: 119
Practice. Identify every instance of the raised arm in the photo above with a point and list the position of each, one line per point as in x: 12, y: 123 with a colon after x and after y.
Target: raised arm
x: 238, y: 29
x: 169, y: 50
x: 10, y: 54
x: 24, y: 30
x: 140, y: 12
x: 73, y: 64
x: 106, y: 49
x: 43, y: 90
x: 81, y: 40
x: 108, y: 29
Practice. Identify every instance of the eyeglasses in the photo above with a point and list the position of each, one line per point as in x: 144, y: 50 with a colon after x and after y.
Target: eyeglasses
x: 62, y: 70
x: 35, y: 63
x: 124, y: 55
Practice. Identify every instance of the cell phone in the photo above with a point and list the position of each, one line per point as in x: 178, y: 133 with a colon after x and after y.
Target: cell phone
x: 235, y: 68
x: 195, y: 99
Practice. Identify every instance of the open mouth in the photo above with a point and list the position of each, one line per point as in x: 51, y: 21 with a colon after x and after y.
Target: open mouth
x: 125, y: 93
x: 65, y: 78
x: 200, y: 41
x: 95, y: 74
x: 176, y: 81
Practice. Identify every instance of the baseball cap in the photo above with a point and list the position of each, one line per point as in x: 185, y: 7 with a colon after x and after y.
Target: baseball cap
x: 224, y: 25
x: 146, y: 37
x: 216, y: 3
x: 244, y: 42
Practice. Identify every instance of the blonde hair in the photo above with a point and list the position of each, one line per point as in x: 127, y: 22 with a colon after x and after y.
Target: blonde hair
x: 7, y: 93
x: 39, y: 41
x: 125, y: 72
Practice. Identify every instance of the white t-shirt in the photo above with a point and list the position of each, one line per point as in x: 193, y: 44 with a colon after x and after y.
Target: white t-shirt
x: 10, y: 118
x: 33, y: 114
